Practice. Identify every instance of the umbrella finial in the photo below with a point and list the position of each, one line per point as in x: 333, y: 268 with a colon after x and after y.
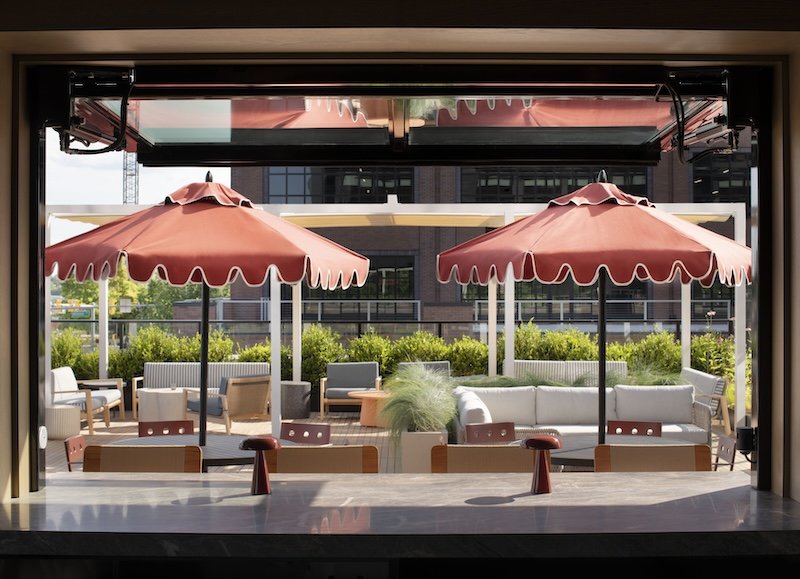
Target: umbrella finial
x: 209, y: 178
x: 602, y: 177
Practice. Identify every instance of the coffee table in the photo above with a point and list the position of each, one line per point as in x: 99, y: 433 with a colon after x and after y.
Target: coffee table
x: 371, y: 404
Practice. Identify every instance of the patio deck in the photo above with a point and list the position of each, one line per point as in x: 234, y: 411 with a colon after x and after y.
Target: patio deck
x: 345, y: 429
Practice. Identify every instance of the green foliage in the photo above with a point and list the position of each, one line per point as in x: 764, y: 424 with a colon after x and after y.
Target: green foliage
x: 653, y: 376
x: 320, y: 346
x: 420, y: 346
x: 220, y: 348
x: 85, y: 292
x: 263, y: 353
x: 468, y: 356
x: 619, y: 351
x: 370, y: 347
x: 87, y: 366
x: 65, y: 347
x: 657, y: 352
x: 421, y: 400
x: 160, y: 297
x: 504, y: 381
x: 527, y: 339
x: 531, y: 343
x: 569, y: 344
x: 715, y: 354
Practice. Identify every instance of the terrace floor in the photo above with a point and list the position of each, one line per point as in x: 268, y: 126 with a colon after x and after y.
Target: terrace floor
x: 345, y: 429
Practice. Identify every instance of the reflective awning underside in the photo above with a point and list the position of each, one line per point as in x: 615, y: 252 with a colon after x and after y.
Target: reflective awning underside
x: 208, y: 120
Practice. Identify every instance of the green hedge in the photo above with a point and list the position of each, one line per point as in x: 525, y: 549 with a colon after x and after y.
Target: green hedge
x: 655, y: 359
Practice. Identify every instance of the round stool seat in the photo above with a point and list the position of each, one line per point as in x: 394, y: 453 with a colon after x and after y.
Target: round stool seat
x: 541, y: 444
x: 261, y: 444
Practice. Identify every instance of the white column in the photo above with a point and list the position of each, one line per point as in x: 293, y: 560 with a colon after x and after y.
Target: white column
x: 491, y: 336
x: 686, y: 325
x: 740, y: 313
x: 297, y: 332
x: 102, y: 345
x: 275, y: 344
x: 508, y: 319
x: 48, y: 329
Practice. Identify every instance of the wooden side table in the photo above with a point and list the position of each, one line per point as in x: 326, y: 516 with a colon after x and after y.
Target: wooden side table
x: 371, y: 404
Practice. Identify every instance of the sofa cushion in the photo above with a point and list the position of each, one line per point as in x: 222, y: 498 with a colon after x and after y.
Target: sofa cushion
x: 557, y: 405
x: 471, y: 409
x: 351, y: 375
x: 515, y: 404
x: 672, y: 403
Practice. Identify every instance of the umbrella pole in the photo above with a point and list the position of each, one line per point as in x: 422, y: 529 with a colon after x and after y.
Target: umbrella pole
x: 206, y: 300
x: 601, y: 357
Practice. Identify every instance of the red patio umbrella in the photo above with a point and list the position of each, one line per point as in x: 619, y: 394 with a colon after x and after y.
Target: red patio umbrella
x: 594, y: 232
x: 207, y: 233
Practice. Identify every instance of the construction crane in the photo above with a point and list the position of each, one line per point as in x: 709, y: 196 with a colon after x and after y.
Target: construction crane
x: 130, y: 178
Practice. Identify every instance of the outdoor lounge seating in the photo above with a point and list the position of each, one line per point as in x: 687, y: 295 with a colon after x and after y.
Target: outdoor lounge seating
x: 710, y: 390
x: 305, y: 432
x: 574, y: 410
x: 74, y: 447
x: 344, y: 377
x: 187, y: 375
x: 165, y: 427
x: 67, y: 390
x: 242, y: 398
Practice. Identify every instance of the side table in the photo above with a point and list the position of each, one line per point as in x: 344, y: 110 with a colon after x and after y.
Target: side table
x: 295, y: 399
x: 62, y: 421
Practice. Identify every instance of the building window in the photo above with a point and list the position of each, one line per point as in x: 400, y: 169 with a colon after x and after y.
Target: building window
x: 391, y: 277
x: 722, y: 179
x: 302, y: 185
x: 540, y: 184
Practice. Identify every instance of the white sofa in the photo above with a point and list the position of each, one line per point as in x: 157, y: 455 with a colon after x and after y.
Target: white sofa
x: 574, y: 409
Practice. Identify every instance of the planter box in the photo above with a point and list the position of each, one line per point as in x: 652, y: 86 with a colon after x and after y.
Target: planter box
x: 415, y: 449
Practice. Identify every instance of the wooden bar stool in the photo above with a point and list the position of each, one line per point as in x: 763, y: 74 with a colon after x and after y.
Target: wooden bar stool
x: 260, y: 444
x: 541, y: 444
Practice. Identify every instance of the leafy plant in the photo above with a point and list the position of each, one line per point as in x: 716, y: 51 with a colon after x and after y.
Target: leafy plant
x: 370, y: 347
x: 658, y: 351
x: 262, y: 352
x: 65, y: 347
x: 420, y: 346
x: 468, y: 356
x: 320, y: 346
x: 420, y: 400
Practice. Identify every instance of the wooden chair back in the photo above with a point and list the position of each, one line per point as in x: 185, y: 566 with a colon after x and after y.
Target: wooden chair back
x: 481, y: 458
x: 306, y: 432
x: 159, y: 427
x: 651, y: 457
x: 136, y: 458
x: 74, y: 447
x: 726, y: 452
x: 634, y: 427
x: 489, y: 433
x: 320, y: 459
x: 248, y: 397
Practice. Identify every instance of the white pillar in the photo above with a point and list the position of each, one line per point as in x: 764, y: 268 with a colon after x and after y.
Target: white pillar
x: 275, y: 344
x: 491, y: 337
x: 102, y: 341
x: 740, y: 313
x: 509, y: 321
x: 686, y: 325
x: 297, y: 332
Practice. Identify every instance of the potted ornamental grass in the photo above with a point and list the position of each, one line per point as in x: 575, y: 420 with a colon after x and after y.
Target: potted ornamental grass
x: 419, y: 408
